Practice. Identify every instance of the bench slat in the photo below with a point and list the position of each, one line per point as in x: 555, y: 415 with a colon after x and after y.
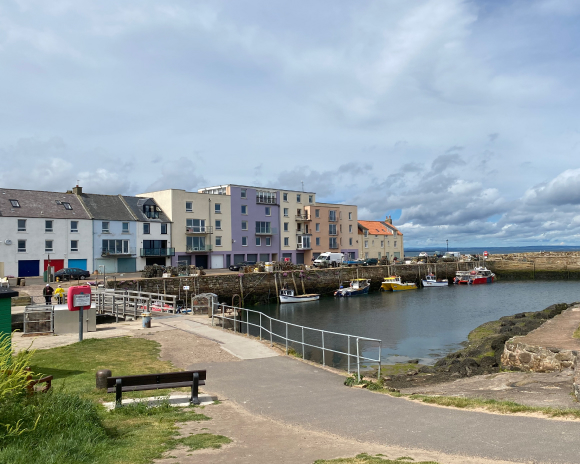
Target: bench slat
x: 153, y: 379
x: 159, y: 386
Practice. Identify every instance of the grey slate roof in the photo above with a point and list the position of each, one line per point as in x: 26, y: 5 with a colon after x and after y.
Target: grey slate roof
x: 135, y: 204
x: 107, y: 207
x: 39, y: 204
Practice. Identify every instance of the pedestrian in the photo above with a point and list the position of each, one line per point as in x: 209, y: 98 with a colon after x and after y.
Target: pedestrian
x: 47, y: 292
x: 59, y: 294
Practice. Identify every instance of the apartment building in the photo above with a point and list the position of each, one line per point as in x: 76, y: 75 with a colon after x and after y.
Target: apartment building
x: 255, y: 217
x: 295, y: 225
x: 378, y: 239
x: 40, y: 229
x: 201, y: 226
x: 334, y: 228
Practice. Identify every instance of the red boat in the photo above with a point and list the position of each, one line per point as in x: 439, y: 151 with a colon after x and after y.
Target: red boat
x: 481, y: 275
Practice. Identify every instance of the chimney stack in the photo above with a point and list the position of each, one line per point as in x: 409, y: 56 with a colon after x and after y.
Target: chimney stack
x: 389, y: 220
x: 77, y: 190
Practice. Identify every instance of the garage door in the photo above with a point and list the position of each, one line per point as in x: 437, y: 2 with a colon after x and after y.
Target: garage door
x: 126, y: 264
x: 78, y: 263
x: 58, y: 264
x: 239, y: 258
x: 109, y: 263
x: 299, y: 258
x: 217, y: 261
x: 28, y: 268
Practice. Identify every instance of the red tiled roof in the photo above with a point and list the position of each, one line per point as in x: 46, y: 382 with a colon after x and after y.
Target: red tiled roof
x: 379, y: 228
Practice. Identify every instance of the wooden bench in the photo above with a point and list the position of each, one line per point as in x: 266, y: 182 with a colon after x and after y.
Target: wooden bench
x: 128, y: 383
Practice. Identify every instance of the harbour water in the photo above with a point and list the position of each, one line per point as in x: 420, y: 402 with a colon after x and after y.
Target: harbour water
x: 424, y: 324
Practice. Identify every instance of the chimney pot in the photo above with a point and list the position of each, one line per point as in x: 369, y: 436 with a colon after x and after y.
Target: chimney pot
x: 77, y: 190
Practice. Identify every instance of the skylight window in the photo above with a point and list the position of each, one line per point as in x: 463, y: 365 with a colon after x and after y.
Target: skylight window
x: 58, y: 202
x: 66, y: 205
x: 15, y: 203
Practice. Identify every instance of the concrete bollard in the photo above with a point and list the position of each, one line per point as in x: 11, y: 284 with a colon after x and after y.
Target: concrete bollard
x: 102, y: 378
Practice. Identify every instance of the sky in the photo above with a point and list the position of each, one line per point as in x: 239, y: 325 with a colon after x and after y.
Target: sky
x: 460, y: 119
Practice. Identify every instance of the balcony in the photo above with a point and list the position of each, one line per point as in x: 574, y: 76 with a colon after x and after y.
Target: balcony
x: 332, y: 219
x: 120, y: 252
x: 266, y: 200
x: 303, y: 246
x: 267, y: 231
x: 333, y: 246
x: 158, y: 252
x: 198, y: 230
x: 303, y: 218
x: 195, y: 249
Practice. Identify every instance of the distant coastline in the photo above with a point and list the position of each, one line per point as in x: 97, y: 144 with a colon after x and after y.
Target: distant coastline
x: 414, y: 251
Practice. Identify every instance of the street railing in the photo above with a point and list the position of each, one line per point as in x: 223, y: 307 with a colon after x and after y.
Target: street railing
x: 308, y: 335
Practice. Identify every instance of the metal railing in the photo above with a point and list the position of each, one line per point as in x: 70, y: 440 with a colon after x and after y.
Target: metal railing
x: 199, y: 229
x: 39, y: 319
x: 110, y: 252
x: 157, y: 251
x: 303, y: 217
x: 131, y: 303
x: 308, y: 335
x: 192, y: 249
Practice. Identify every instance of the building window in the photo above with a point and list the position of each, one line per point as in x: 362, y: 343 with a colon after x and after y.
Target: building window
x: 286, y: 227
x: 195, y: 225
x: 48, y: 226
x: 350, y: 216
x: 366, y: 243
x: 332, y: 215
x: 218, y: 208
x: 74, y: 245
x: 196, y: 244
x: 243, y: 193
x: 48, y: 246
x: 299, y: 227
x: 21, y: 246
x: 341, y: 228
x: 21, y: 225
x: 286, y: 212
x: 263, y: 227
x: 125, y: 229
x: 74, y: 226
x: 244, y: 241
x: 151, y: 211
x: 66, y: 205
x: 244, y: 209
x: 367, y: 255
x: 350, y: 229
x: 15, y: 203
x: 286, y: 241
x: 268, y: 241
x: 115, y: 247
x: 366, y: 233
x: 105, y: 227
x: 163, y: 229
x: 317, y: 241
x: 310, y: 198
x: 146, y: 228
x: 268, y: 198
x: 244, y: 225
x: 395, y: 243
x: 382, y: 243
x: 332, y: 243
x: 317, y: 227
x: 268, y: 211
x: 298, y: 198
x: 189, y: 206
x: 218, y: 241
x: 331, y: 229
x: 350, y: 241
x: 285, y: 196
x: 317, y: 213
x: 379, y: 255
x: 218, y: 224
x: 258, y: 241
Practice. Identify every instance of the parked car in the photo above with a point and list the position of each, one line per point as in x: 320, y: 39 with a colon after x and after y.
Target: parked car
x: 370, y: 262
x: 69, y: 273
x: 237, y: 267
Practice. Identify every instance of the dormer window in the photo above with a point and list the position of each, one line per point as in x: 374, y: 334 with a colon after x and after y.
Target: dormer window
x: 151, y: 211
x: 66, y: 205
x: 15, y: 203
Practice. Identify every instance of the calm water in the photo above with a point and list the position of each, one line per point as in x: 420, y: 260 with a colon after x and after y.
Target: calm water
x: 426, y: 323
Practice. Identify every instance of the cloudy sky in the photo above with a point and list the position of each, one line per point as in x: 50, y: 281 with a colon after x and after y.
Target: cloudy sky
x: 461, y: 119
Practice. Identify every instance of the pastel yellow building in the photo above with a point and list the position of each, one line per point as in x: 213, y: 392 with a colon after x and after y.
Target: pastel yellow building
x: 379, y: 239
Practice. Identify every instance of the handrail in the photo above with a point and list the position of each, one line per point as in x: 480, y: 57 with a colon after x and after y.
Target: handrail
x: 220, y: 311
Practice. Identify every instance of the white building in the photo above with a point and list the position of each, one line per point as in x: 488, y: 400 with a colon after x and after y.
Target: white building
x: 38, y: 229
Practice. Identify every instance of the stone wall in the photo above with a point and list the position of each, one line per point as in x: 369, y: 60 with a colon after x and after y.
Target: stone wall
x: 537, y: 358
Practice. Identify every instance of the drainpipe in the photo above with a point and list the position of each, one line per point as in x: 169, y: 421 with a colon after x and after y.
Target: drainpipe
x: 210, y: 222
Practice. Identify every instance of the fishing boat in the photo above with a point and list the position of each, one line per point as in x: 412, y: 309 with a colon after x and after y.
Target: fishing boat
x: 356, y: 287
x: 394, y: 284
x: 462, y: 277
x: 287, y: 296
x: 481, y: 275
x: 431, y: 281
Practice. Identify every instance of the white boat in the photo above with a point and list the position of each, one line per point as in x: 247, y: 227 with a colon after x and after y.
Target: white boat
x: 287, y: 296
x: 431, y: 281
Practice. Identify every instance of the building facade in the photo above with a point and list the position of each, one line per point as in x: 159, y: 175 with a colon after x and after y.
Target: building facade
x: 379, y: 239
x: 40, y: 229
x: 295, y: 225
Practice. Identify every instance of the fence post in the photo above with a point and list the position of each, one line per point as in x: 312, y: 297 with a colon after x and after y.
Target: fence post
x: 379, y: 374
x: 348, y: 355
x: 323, y: 358
x: 113, y: 308
x: 357, y: 360
x: 286, y: 338
x: 271, y: 342
x: 260, y: 326
x: 247, y: 323
x: 235, y: 319
x: 212, y: 308
x: 223, y: 317
x: 303, y: 355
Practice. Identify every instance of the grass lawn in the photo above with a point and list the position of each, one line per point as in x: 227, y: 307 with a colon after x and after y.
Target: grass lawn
x: 74, y: 428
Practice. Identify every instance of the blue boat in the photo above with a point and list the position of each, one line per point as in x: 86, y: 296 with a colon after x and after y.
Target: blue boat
x: 357, y: 287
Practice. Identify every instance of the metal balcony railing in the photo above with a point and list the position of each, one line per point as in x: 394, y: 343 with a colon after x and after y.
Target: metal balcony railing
x: 266, y: 200
x: 302, y: 246
x: 333, y: 246
x: 111, y: 252
x: 193, y: 249
x: 199, y: 229
x: 303, y: 217
x: 158, y: 252
x: 267, y: 231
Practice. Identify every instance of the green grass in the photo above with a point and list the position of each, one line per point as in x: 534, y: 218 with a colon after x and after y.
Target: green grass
x: 484, y: 331
x: 368, y: 459
x: 73, y: 426
x: 576, y: 333
x: 203, y: 440
x: 396, y: 369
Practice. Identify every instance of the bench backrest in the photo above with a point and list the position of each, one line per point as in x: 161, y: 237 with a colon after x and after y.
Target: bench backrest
x: 152, y: 379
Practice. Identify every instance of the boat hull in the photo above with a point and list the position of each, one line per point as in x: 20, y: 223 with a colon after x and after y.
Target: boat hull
x: 482, y: 280
x: 429, y: 283
x: 403, y: 287
x: 351, y: 292
x: 298, y: 298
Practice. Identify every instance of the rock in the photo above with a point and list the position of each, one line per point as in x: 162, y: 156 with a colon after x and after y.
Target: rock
x: 519, y: 315
x: 487, y: 362
x: 525, y: 358
x: 427, y: 370
x: 413, y: 361
x: 553, y: 349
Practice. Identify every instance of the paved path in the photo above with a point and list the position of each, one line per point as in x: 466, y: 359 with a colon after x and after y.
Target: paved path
x: 286, y: 389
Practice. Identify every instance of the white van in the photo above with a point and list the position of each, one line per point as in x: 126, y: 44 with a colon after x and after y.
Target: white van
x: 327, y: 259
x: 452, y: 254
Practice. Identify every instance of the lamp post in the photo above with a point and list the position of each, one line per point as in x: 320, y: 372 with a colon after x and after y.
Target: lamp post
x: 447, y: 245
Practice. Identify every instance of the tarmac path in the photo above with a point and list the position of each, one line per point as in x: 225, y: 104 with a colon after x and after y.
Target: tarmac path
x: 286, y: 389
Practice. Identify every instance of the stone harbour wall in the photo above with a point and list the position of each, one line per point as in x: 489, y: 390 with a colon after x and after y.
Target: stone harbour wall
x: 537, y: 358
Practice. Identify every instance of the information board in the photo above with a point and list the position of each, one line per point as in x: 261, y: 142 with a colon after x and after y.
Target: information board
x: 82, y: 300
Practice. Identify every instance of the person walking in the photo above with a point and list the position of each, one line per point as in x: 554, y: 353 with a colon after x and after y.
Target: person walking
x: 47, y: 293
x: 59, y: 294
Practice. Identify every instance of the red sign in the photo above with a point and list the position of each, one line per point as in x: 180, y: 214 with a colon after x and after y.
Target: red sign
x: 485, y: 253
x: 79, y: 293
